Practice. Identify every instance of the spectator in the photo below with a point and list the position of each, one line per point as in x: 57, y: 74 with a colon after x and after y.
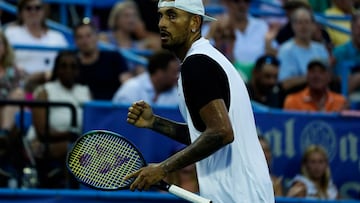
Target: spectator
x: 296, y: 53
x: 286, y: 32
x: 263, y: 86
x: 10, y: 88
x: 250, y: 33
x: 277, y: 181
x: 315, y: 178
x: 316, y: 97
x: 50, y: 147
x: 11, y: 80
x: 127, y: 29
x: 157, y: 86
x: 350, y: 53
x: 340, y: 8
x: 30, y: 29
x: 102, y: 71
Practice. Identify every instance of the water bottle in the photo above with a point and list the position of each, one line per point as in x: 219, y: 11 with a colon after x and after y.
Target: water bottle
x: 30, y: 178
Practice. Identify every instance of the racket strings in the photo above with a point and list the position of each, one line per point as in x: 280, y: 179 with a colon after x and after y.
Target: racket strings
x: 102, y: 160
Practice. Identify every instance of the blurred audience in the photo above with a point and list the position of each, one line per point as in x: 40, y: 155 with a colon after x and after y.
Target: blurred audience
x: 30, y: 29
x: 249, y: 32
x: 348, y: 54
x: 103, y: 71
x: 157, y: 85
x: 340, y: 8
x: 277, y: 181
x: 316, y: 97
x: 11, y: 85
x: 315, y: 181
x: 127, y: 29
x: 296, y: 53
x: 49, y: 146
x: 263, y: 86
x: 286, y: 32
x: 11, y: 79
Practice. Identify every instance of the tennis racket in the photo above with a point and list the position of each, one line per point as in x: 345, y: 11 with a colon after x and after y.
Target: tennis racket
x: 101, y: 159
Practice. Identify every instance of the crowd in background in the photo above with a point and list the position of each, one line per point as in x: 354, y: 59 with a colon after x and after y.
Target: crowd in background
x: 290, y: 62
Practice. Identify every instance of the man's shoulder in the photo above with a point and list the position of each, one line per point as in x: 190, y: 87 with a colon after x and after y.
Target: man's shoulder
x: 110, y: 56
x: 337, y: 97
x: 288, y: 45
x: 297, y: 96
x: 14, y: 30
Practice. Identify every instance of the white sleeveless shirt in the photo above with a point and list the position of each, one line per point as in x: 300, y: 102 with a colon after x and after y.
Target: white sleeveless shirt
x: 238, y: 172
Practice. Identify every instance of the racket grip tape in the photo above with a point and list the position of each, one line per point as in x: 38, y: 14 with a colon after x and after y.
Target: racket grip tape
x: 192, y: 197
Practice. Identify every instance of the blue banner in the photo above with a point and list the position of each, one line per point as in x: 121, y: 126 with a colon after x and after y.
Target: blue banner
x: 288, y: 133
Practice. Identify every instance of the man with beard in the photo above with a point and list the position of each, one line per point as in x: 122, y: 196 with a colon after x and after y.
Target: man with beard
x: 263, y: 86
x: 156, y: 86
x: 102, y: 71
x: 220, y: 131
x: 316, y: 97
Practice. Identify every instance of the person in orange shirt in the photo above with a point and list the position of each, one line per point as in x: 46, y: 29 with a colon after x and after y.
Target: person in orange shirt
x: 316, y: 97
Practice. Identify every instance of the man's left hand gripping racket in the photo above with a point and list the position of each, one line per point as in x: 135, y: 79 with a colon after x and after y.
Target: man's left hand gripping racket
x: 101, y: 159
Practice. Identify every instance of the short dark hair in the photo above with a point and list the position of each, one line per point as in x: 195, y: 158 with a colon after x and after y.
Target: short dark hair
x: 266, y: 59
x: 62, y: 54
x: 160, y: 60
x: 295, y: 4
x: 319, y: 63
x: 84, y: 22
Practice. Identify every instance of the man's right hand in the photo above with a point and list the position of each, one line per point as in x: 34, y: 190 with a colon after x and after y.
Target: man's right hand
x: 140, y: 115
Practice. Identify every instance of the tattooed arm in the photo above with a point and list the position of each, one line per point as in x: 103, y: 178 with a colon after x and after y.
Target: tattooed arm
x: 174, y: 130
x: 141, y: 115
x: 217, y: 134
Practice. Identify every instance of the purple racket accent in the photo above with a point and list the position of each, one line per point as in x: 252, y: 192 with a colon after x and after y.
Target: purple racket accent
x: 99, y: 149
x: 105, y: 168
x: 120, y: 160
x: 85, y: 159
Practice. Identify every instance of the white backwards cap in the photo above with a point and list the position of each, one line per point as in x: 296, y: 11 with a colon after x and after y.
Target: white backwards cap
x: 191, y: 6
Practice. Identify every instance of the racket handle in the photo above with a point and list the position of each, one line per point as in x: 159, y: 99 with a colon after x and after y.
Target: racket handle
x: 192, y: 197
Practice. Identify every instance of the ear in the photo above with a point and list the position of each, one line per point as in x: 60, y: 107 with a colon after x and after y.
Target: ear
x: 195, y: 23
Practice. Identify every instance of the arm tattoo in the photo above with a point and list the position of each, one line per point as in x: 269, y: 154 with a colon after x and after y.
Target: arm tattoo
x: 205, y: 145
x: 171, y: 129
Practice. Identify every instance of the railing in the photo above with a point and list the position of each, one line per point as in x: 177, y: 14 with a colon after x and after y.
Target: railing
x: 22, y: 130
x: 91, y: 196
x: 23, y: 104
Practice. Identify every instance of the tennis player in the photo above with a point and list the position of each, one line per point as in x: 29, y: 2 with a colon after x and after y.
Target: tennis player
x: 220, y: 129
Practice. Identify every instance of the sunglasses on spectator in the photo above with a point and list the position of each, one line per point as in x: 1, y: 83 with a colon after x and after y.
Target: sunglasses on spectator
x: 33, y: 7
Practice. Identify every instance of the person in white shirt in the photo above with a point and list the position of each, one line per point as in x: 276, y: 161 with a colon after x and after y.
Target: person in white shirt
x: 249, y: 33
x: 315, y: 181
x: 220, y: 131
x: 50, y: 146
x: 30, y: 30
x: 157, y: 86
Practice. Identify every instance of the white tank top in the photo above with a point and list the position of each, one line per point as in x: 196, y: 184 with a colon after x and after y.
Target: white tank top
x: 237, y: 173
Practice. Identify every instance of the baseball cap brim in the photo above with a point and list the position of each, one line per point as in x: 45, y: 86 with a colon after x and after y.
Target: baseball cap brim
x: 174, y: 5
